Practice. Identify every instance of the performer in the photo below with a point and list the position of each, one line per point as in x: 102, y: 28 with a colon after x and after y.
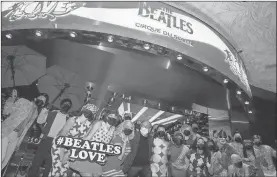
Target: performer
x: 177, y: 152
x: 22, y: 114
x: 238, y: 168
x: 264, y: 154
x: 101, y: 131
x: 138, y: 162
x: 159, y: 157
x: 216, y: 169
x: 237, y: 144
x: 53, y: 122
x: 75, y: 127
x: 123, y: 135
x: 198, y: 159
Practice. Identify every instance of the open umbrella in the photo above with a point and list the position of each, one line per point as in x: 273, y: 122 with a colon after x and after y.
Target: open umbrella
x: 60, y: 83
x: 21, y: 66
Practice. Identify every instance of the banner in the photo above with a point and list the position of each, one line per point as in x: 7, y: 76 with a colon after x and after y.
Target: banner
x: 149, y: 21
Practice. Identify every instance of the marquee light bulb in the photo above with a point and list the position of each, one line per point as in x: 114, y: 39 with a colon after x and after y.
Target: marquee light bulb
x: 250, y: 112
x: 146, y: 46
x: 246, y: 102
x: 38, y: 33
x: 110, y: 38
x: 205, y: 69
x: 73, y: 34
x: 239, y: 92
x: 9, y: 36
x: 225, y: 81
x: 168, y: 64
x: 179, y: 57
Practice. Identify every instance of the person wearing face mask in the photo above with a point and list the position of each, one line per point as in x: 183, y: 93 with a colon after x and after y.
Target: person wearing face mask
x: 237, y: 144
x: 216, y: 169
x: 101, y: 131
x: 198, y: 159
x: 15, y: 127
x: 127, y: 116
x: 51, y: 124
x: 137, y: 163
x: 264, y: 154
x: 177, y: 152
x: 122, y: 137
x: 159, y: 156
x: 75, y: 127
x: 238, y: 168
x: 225, y: 149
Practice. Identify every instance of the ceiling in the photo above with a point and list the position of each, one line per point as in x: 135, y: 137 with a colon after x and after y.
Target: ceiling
x: 248, y: 26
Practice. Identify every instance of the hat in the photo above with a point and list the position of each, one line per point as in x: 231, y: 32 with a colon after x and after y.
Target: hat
x: 90, y: 107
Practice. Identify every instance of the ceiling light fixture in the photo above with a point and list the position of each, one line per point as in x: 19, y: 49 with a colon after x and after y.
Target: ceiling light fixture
x: 179, y: 57
x: 168, y: 64
x: 250, y: 112
x: 246, y: 102
x: 9, y: 36
x: 205, y: 69
x: 110, y: 38
x: 238, y: 92
x: 225, y: 81
x: 73, y: 34
x: 38, y: 33
x: 146, y: 46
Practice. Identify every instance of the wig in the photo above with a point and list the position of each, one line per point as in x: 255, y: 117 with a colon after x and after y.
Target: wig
x: 126, y: 124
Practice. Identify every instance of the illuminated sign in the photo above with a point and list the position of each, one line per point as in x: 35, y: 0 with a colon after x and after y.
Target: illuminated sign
x: 34, y: 10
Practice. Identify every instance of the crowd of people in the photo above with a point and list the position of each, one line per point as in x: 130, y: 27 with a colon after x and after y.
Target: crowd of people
x: 146, y: 150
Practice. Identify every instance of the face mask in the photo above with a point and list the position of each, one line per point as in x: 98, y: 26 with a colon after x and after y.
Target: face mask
x: 248, y: 146
x: 200, y: 146
x: 127, y: 118
x: 161, y: 134
x: 144, y: 131
x: 257, y: 143
x: 127, y: 131
x: 65, y: 108
x: 177, y: 141
x: 238, y: 164
x: 186, y: 132
x: 238, y: 139
x: 39, y: 103
x: 111, y: 121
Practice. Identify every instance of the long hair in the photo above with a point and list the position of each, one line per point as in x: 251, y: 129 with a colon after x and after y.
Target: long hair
x: 205, y: 150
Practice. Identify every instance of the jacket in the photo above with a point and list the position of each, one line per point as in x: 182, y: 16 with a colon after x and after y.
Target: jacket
x: 128, y: 162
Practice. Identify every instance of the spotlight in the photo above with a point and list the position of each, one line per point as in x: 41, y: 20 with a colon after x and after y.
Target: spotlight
x: 250, y: 112
x: 172, y: 109
x: 146, y: 46
x: 238, y: 92
x: 225, y: 81
x: 179, y: 57
x: 246, y: 102
x: 110, y: 38
x: 38, y: 33
x: 168, y: 64
x: 73, y: 34
x: 9, y: 36
x: 205, y: 69
x: 144, y: 102
x: 159, y: 105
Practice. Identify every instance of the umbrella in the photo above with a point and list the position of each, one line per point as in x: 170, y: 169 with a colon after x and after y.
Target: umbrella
x: 21, y: 66
x: 60, y: 83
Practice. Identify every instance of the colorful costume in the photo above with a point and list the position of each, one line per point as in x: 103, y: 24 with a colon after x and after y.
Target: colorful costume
x: 22, y: 114
x: 103, y: 135
x: 79, y: 129
x: 178, y: 167
x: 197, y: 165
x: 113, y: 165
x: 216, y: 169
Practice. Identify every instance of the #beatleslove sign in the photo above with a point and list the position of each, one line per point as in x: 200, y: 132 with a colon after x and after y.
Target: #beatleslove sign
x: 88, y: 150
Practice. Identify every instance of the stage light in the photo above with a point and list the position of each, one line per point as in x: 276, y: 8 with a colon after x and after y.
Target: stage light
x: 168, y: 64
x: 179, y: 57
x: 225, y: 81
x: 110, y: 38
x: 38, y: 33
x: 9, y: 36
x: 159, y: 105
x: 73, y: 34
x: 123, y: 96
x: 238, y: 92
x: 146, y: 46
x: 246, y: 102
x: 144, y: 102
x: 250, y: 112
x: 205, y: 69
x: 129, y: 98
x: 172, y: 109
